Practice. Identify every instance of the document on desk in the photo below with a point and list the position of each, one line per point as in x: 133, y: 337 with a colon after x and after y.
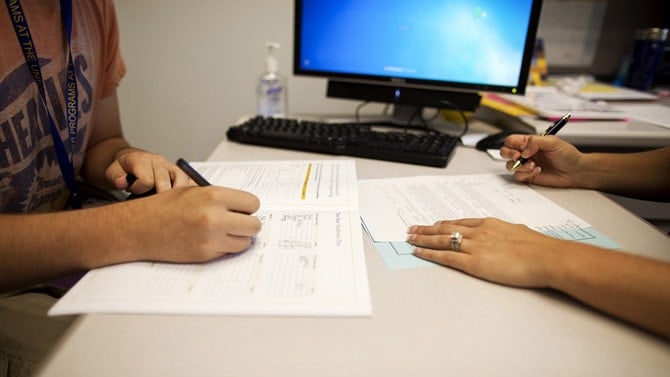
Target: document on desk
x: 551, y: 103
x: 307, y: 260
x: 390, y: 206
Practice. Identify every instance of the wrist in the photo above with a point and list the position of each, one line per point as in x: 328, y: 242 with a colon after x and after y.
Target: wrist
x: 586, y: 173
x: 554, y: 267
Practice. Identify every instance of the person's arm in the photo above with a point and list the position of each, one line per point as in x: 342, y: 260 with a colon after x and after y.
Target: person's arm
x: 109, y: 157
x: 644, y: 175
x: 188, y: 224
x: 630, y: 287
x: 554, y: 162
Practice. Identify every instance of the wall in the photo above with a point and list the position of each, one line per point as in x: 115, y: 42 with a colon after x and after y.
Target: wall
x: 192, y: 70
x: 193, y: 65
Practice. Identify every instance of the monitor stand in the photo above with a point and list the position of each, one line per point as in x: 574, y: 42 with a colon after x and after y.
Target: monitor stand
x: 400, y: 117
x: 404, y: 115
x: 405, y: 100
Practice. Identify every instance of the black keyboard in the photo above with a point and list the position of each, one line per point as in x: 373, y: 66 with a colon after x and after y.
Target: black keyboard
x: 347, y: 139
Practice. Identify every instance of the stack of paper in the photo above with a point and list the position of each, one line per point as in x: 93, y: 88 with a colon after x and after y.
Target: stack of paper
x: 307, y: 260
x: 551, y: 103
x: 390, y: 206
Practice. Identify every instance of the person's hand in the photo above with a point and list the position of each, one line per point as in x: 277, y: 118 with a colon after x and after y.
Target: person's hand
x: 552, y: 161
x: 491, y: 249
x: 151, y: 171
x: 187, y: 224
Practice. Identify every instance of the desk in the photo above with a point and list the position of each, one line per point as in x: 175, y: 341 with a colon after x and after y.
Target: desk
x: 609, y: 135
x: 598, y: 135
x: 426, y: 322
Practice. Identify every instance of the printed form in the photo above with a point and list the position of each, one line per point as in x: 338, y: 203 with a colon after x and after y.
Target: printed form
x: 307, y: 260
x: 390, y: 206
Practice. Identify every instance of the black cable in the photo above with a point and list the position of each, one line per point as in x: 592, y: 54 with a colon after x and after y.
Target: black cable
x: 454, y: 106
x: 432, y: 118
x: 357, y: 111
x: 415, y: 113
x: 418, y: 113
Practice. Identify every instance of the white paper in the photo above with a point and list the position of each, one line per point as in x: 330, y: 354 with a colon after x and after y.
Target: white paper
x: 287, y: 184
x: 390, y: 206
x: 551, y: 103
x: 307, y: 260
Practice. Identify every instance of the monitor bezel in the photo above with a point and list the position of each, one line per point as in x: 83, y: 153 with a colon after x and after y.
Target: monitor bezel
x: 362, y: 86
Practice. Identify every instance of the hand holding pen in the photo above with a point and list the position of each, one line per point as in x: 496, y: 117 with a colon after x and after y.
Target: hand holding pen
x: 551, y: 130
x: 183, y: 165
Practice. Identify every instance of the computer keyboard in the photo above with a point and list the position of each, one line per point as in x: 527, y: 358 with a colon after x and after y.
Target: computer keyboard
x: 428, y: 148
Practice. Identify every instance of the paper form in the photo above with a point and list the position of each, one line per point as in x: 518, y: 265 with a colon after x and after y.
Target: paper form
x: 390, y: 206
x: 289, y: 183
x: 307, y: 260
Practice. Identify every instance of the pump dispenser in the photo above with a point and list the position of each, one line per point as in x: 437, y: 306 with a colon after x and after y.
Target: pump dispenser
x: 271, y: 89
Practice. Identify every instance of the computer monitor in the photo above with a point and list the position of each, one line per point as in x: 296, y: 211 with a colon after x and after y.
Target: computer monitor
x: 422, y: 53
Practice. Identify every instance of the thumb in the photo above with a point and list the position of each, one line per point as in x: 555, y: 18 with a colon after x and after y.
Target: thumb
x: 120, y: 177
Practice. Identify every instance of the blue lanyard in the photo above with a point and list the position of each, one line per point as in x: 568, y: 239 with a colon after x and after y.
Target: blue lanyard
x: 65, y: 162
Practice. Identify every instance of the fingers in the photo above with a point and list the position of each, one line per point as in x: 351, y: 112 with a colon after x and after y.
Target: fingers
x: 150, y: 171
x: 436, y: 236
x: 180, y: 179
x: 236, y: 244
x: 433, y: 244
x: 243, y: 225
x: 239, y: 201
x: 163, y: 174
x: 242, y: 237
x: 514, y: 146
x: 453, y: 259
x: 443, y: 227
x: 234, y: 233
x: 529, y: 167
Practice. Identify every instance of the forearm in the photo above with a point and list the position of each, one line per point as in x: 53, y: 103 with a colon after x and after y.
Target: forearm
x: 627, y: 286
x: 106, y: 143
x: 644, y: 175
x: 37, y: 248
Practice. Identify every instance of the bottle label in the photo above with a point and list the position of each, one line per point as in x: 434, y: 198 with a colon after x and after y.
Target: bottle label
x: 271, y: 100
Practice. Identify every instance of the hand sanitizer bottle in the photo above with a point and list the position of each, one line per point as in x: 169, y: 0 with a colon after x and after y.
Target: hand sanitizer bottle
x: 271, y: 89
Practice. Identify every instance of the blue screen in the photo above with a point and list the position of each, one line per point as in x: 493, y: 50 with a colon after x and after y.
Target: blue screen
x: 478, y: 42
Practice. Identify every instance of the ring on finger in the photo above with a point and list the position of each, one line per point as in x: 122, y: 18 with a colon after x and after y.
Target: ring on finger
x: 456, y: 238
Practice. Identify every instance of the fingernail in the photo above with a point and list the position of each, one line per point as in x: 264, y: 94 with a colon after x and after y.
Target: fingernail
x: 417, y: 251
x: 411, y: 237
x: 412, y: 229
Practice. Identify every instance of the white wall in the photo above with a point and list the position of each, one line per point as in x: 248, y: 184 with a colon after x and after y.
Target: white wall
x: 192, y: 70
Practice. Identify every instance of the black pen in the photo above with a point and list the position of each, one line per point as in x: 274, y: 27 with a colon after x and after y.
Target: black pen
x: 551, y: 130
x: 192, y: 173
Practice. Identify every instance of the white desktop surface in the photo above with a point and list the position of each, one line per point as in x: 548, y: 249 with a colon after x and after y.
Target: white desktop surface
x: 425, y: 322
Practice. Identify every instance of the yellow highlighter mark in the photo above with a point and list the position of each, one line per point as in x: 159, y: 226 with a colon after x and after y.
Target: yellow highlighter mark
x: 306, y: 182
x: 599, y: 88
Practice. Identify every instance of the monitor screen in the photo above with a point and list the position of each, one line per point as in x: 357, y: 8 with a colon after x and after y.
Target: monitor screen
x: 415, y: 51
